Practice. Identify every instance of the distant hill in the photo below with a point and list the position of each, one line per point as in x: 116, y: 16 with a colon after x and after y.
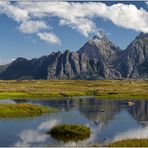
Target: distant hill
x: 99, y: 58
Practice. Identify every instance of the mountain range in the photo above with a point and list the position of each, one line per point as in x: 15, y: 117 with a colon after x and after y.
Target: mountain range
x: 99, y: 58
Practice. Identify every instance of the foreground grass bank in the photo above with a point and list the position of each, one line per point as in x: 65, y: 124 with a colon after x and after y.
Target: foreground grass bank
x: 130, y: 143
x: 22, y: 110
x: 69, y: 88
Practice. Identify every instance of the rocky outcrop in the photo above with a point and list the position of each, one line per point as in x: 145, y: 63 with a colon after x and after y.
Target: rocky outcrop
x: 99, y: 58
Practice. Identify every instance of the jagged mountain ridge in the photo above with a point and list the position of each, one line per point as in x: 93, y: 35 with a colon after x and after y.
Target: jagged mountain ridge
x: 133, y: 62
x: 99, y: 58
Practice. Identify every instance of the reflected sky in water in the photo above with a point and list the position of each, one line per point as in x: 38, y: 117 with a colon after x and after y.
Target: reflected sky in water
x: 109, y: 120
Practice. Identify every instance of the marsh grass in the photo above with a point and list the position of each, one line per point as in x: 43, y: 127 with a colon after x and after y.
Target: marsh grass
x: 130, y: 143
x: 70, y: 88
x: 68, y: 133
x: 23, y: 110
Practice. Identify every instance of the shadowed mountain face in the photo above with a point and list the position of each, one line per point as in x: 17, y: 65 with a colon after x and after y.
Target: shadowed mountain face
x: 99, y: 58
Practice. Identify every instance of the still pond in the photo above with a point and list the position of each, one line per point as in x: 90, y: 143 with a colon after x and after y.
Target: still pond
x: 109, y: 120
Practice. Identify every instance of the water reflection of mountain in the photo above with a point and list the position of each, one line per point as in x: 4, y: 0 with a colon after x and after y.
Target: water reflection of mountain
x: 100, y: 111
x: 20, y: 100
x: 140, y: 110
x: 62, y: 103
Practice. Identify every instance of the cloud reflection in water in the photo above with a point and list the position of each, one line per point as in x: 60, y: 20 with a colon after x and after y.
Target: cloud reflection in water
x: 139, y: 133
x: 29, y: 137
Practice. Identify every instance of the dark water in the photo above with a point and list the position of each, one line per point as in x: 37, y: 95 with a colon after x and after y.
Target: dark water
x: 109, y: 120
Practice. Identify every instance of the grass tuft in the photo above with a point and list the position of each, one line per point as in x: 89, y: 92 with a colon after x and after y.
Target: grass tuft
x: 68, y: 133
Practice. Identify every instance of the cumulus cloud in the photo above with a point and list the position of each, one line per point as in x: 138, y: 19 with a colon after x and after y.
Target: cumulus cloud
x: 32, y: 26
x: 126, y: 16
x: 13, y: 11
x: 49, y: 37
x: 73, y: 15
x: 84, y: 26
x: 78, y: 16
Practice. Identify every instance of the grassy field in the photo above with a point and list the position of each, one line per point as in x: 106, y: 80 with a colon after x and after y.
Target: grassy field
x: 130, y: 143
x: 69, y: 88
x: 22, y: 110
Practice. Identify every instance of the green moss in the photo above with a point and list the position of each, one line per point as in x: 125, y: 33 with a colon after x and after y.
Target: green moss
x: 130, y: 143
x: 68, y: 133
x: 22, y: 110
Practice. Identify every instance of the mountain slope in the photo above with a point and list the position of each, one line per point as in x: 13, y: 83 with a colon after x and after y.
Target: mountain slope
x: 22, y: 68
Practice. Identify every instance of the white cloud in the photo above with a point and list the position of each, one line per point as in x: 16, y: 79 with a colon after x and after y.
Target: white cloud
x: 49, y: 37
x: 128, y: 16
x: 13, y: 11
x: 78, y: 16
x: 70, y: 14
x: 84, y: 26
x: 32, y: 26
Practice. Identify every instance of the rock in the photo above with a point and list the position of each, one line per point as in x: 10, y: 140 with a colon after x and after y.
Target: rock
x: 130, y: 103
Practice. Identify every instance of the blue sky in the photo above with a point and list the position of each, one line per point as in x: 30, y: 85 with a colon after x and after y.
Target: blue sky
x: 53, y: 31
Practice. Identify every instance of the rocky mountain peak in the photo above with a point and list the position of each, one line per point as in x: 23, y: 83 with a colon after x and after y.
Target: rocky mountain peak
x: 100, y: 36
x: 100, y: 47
x: 98, y: 39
